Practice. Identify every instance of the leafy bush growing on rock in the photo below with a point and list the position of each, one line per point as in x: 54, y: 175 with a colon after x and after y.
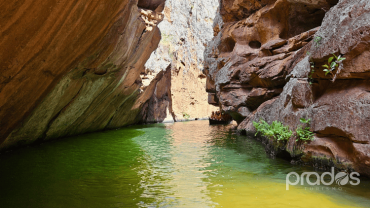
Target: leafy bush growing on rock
x: 305, y: 121
x: 261, y: 127
x: 276, y: 130
x: 332, y: 64
x: 279, y: 131
x: 304, y: 134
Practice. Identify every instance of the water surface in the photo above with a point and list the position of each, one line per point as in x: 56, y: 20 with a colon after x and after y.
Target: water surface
x: 188, y: 164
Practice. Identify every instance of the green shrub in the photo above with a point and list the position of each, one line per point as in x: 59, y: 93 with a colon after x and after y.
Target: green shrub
x: 280, y: 132
x: 333, y: 62
x: 305, y: 121
x: 261, y: 126
x: 304, y: 134
x: 276, y: 130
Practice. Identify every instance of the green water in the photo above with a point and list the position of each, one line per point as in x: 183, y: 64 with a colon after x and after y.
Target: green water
x: 188, y: 164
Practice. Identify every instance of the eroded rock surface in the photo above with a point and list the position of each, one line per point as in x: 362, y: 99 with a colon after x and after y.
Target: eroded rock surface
x: 258, y: 67
x: 186, y: 29
x: 70, y: 67
x: 250, y: 58
x: 159, y: 107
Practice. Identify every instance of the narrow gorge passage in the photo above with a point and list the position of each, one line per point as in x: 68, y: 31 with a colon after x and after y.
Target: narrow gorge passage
x: 184, y: 103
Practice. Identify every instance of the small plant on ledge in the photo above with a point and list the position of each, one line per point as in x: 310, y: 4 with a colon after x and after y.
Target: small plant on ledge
x: 304, y: 134
x: 305, y: 121
x: 333, y: 62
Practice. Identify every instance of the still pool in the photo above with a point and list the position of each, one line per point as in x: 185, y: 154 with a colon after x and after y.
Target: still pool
x: 187, y: 164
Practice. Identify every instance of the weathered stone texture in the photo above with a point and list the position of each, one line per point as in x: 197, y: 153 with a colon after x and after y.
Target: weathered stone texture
x: 69, y: 67
x: 186, y: 29
x: 245, y: 63
x: 258, y: 52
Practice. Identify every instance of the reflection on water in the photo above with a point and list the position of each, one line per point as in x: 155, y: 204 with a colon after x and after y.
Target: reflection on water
x: 189, y: 164
x: 209, y: 166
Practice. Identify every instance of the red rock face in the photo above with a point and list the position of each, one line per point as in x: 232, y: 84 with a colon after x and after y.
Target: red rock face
x: 70, y: 67
x: 258, y: 68
x: 249, y: 59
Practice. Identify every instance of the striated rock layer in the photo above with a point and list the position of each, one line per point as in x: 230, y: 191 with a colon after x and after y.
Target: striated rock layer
x: 69, y: 67
x: 259, y: 63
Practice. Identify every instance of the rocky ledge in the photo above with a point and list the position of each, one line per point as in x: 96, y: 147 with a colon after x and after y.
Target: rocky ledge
x: 267, y: 63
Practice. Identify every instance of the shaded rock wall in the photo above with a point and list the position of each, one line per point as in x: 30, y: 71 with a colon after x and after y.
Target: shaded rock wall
x: 69, y: 67
x: 186, y: 28
x: 159, y: 107
x: 265, y: 75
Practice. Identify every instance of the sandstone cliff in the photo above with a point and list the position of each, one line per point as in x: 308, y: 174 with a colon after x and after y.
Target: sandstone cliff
x: 69, y: 67
x: 258, y: 66
x: 186, y: 29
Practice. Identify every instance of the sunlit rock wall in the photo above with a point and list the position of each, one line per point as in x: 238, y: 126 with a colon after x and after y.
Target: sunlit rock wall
x: 186, y: 29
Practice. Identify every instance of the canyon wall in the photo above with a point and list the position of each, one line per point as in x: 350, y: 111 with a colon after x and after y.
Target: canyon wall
x: 70, y: 67
x: 266, y: 62
x: 186, y: 29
